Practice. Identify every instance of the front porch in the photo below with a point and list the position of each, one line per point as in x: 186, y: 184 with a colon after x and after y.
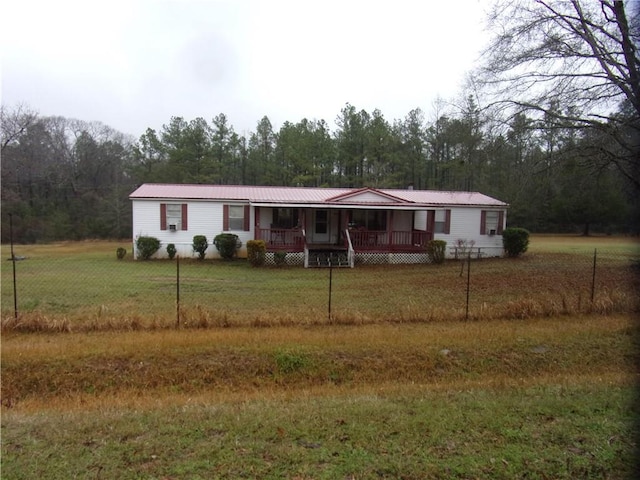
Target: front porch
x: 339, y: 235
x: 361, y: 240
x: 351, y: 243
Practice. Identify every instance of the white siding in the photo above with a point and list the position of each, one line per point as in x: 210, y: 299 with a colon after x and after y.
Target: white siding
x: 203, y: 218
x: 465, y: 225
x: 266, y: 217
x: 369, y: 197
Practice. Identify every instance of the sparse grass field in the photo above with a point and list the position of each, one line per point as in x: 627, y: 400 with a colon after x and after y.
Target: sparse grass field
x: 372, y: 396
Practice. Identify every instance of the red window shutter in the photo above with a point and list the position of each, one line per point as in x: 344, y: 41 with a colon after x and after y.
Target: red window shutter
x: 184, y: 216
x: 500, y: 222
x: 431, y: 220
x: 447, y: 221
x: 483, y: 222
x: 225, y: 218
x: 163, y: 216
x: 246, y: 218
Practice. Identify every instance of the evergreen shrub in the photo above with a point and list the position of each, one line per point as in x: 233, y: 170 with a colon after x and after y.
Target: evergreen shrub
x: 437, y: 250
x: 256, y: 252
x: 171, y: 251
x: 200, y: 246
x: 227, y: 245
x: 147, y: 246
x: 515, y: 241
x: 280, y: 258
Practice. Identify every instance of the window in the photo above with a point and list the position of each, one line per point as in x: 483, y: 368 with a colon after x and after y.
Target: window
x: 442, y: 221
x: 491, y: 222
x: 235, y: 217
x: 369, y: 219
x: 439, y: 221
x: 285, y: 218
x: 173, y: 216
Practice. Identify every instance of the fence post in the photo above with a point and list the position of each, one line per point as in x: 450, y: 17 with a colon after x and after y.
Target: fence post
x: 177, y: 291
x: 468, y: 283
x: 13, y: 261
x: 330, y: 286
x: 593, y: 277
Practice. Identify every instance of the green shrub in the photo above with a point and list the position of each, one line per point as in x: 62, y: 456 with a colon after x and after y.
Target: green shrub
x: 280, y: 258
x: 515, y: 241
x: 171, y: 251
x: 256, y: 252
x: 437, y: 250
x: 147, y: 246
x: 120, y: 253
x: 291, y: 362
x: 227, y: 245
x: 200, y: 246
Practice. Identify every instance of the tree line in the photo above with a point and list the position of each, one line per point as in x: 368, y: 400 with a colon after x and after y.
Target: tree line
x: 550, y: 123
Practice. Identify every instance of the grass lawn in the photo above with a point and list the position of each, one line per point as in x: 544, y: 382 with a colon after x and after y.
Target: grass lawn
x: 81, y: 286
x: 386, y: 392
x: 581, y: 244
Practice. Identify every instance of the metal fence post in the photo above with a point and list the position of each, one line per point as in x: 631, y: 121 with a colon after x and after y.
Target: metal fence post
x: 13, y: 261
x: 177, y: 291
x: 468, y: 284
x: 330, y: 287
x: 593, y: 277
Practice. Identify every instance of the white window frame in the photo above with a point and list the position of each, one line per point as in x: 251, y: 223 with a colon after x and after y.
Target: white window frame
x: 236, y: 218
x: 492, y: 217
x: 439, y: 221
x: 174, y: 215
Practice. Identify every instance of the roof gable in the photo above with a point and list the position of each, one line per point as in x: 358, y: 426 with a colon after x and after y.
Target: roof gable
x: 366, y: 195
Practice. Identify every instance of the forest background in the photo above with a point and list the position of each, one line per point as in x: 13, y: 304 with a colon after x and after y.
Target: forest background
x: 548, y: 123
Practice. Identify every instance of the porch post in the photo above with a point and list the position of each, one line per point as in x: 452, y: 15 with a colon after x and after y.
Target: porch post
x: 256, y: 221
x: 390, y: 230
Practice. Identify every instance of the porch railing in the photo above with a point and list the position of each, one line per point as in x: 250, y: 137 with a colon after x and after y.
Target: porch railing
x: 291, y: 240
x: 393, y: 241
x: 350, y: 252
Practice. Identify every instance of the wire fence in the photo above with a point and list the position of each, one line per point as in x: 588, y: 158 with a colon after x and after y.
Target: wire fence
x: 62, y: 288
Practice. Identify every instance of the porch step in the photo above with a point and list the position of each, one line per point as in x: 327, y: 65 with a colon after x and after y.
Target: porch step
x: 326, y: 258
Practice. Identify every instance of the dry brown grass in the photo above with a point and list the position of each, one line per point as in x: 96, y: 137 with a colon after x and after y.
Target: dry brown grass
x: 43, y: 370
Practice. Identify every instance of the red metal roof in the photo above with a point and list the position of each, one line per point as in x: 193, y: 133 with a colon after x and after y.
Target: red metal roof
x: 308, y: 195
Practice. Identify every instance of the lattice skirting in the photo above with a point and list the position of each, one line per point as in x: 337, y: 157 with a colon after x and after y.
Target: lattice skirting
x: 393, y: 258
x: 297, y: 258
x: 291, y: 258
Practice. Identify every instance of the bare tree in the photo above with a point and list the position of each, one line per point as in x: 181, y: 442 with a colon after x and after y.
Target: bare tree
x: 573, y: 63
x: 14, y: 122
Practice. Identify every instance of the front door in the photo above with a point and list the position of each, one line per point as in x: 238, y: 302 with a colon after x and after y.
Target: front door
x: 321, y: 230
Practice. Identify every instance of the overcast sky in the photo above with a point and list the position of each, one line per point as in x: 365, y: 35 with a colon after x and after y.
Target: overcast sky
x: 134, y: 64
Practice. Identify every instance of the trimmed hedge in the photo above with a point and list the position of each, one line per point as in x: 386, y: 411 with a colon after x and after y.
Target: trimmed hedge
x: 147, y: 246
x: 200, y: 246
x: 227, y: 244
